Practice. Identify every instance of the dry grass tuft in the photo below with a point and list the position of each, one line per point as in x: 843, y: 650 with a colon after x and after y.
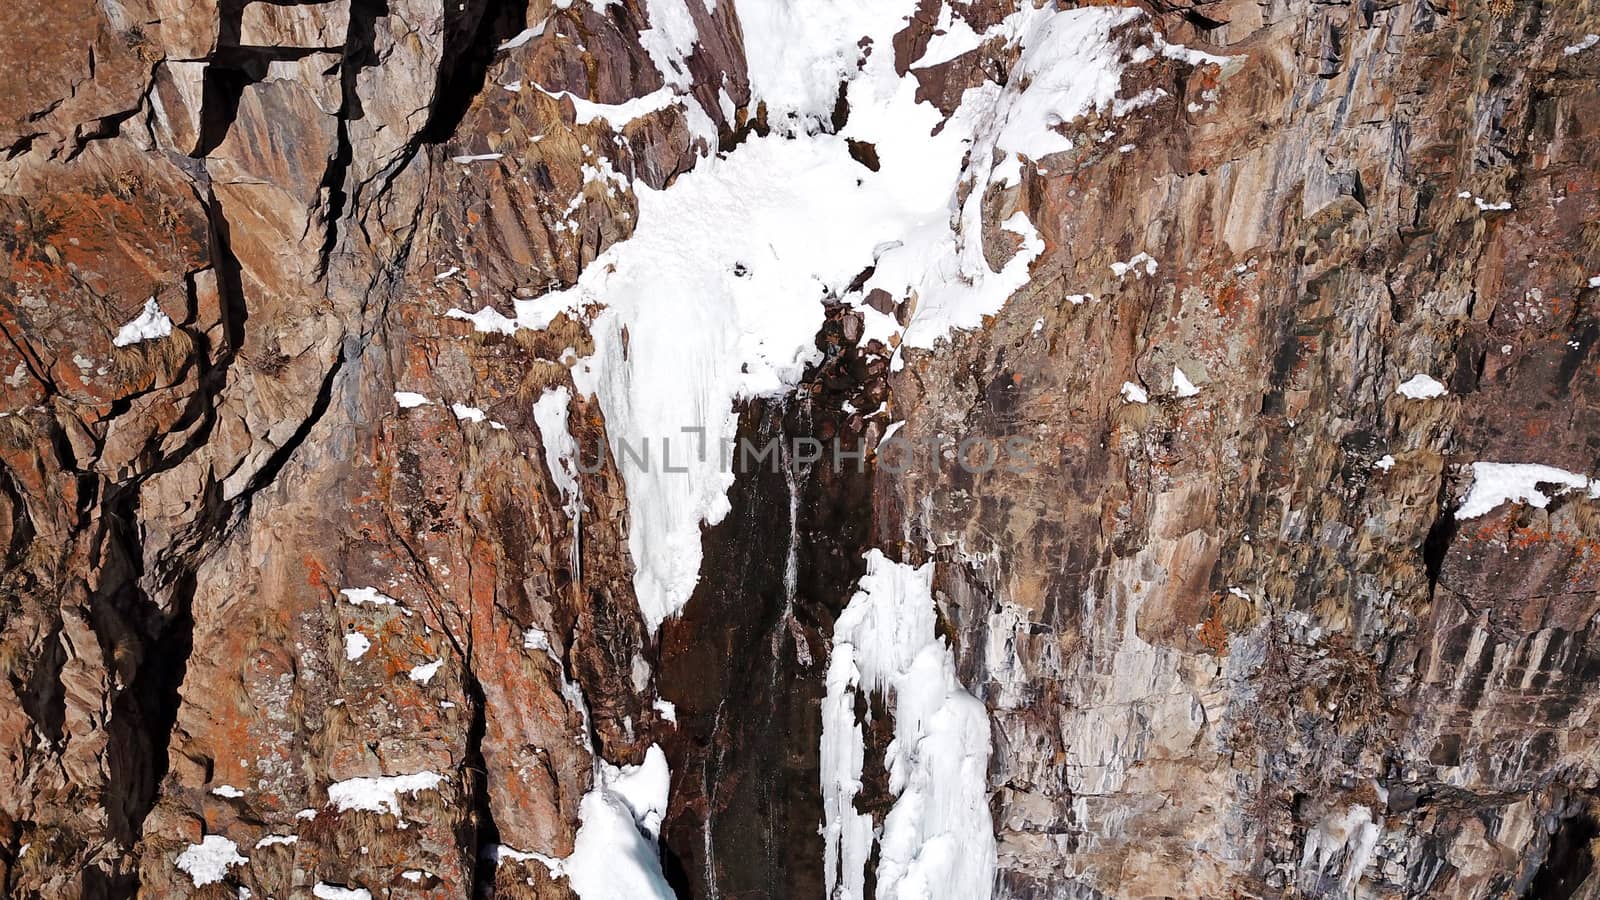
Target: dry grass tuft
x: 541, y: 375
x: 138, y: 366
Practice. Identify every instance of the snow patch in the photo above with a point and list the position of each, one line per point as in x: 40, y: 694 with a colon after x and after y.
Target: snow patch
x: 522, y: 37
x: 208, y: 861
x: 952, y: 37
x: 150, y: 324
x: 363, y: 596
x: 380, y: 794
x: 617, y: 114
x: 499, y: 853
x: 1134, y: 394
x: 614, y: 855
x: 227, y: 791
x: 1587, y: 42
x: 487, y: 319
x: 411, y: 400
x: 424, y: 673
x: 1497, y: 483
x: 561, y: 459
x: 325, y: 891
x: 937, y: 841
x: 560, y: 450
x: 1421, y: 387
x: 670, y: 39
x: 1140, y: 265
x: 355, y: 645
x: 1354, y: 831
x: 1181, y: 385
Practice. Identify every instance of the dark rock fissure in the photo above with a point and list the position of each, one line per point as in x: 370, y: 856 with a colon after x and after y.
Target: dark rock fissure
x: 1569, y: 863
x: 472, y: 37
x: 359, y: 52
x: 482, y: 831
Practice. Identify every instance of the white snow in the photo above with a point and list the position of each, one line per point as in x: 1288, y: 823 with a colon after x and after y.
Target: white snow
x: 364, y: 595
x: 1421, y: 387
x: 1497, y: 483
x: 560, y: 450
x: 1354, y: 831
x: 150, y: 324
x: 410, y: 399
x: 324, y: 891
x: 1181, y: 385
x: 274, y: 840
x: 614, y: 855
x: 488, y: 319
x: 355, y: 645
x: 424, y: 673
x: 1133, y: 393
x: 667, y: 710
x: 952, y: 37
x: 717, y: 296
x: 228, y: 791
x: 1587, y: 42
x: 502, y: 852
x: 380, y: 794
x: 670, y: 39
x: 479, y: 157
x: 447, y: 273
x: 1595, y: 282
x: 1140, y: 265
x: 618, y: 114
x: 468, y: 413
x: 847, y: 834
x: 1484, y: 205
x: 1386, y: 463
x: 699, y: 336
x: 937, y: 841
x: 208, y: 861
x: 1188, y: 55
x: 798, y: 51
x: 523, y: 36
x: 561, y: 459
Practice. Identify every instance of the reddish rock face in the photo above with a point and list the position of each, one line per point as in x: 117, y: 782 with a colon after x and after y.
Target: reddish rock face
x: 304, y: 529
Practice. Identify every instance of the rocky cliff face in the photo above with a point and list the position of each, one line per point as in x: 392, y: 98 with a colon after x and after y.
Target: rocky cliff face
x: 1109, y: 544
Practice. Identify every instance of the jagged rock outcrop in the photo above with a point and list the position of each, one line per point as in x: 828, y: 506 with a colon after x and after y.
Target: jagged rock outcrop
x: 302, y: 586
